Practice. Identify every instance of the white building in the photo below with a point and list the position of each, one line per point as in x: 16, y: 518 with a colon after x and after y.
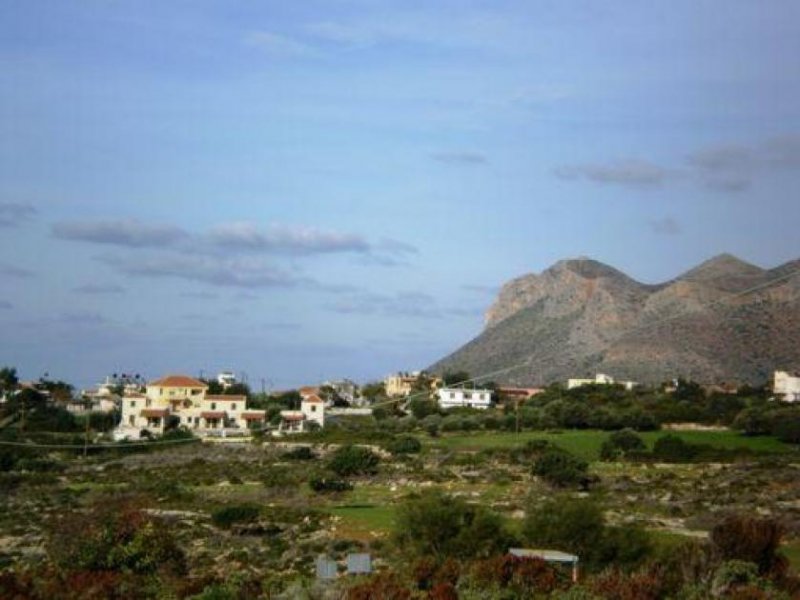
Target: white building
x: 600, y: 379
x: 226, y: 379
x: 181, y: 401
x: 461, y: 398
x: 787, y: 386
x: 312, y: 410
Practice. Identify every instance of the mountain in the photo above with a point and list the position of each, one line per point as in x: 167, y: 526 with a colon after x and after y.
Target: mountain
x: 724, y: 320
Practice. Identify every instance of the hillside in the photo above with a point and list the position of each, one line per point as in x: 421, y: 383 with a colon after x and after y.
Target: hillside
x: 581, y: 316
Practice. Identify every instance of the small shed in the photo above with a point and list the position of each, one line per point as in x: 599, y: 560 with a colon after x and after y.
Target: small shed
x: 556, y: 556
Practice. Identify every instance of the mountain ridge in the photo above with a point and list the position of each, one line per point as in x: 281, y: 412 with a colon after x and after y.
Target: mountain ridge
x: 722, y: 320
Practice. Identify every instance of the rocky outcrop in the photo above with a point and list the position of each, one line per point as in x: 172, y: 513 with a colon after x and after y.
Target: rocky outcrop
x: 723, y: 320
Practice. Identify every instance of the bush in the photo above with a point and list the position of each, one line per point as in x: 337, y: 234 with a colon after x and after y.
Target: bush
x: 671, y: 448
x: 354, y: 460
x: 322, y: 485
x: 561, y: 469
x: 620, y: 443
x: 441, y: 526
x: 300, y: 453
x: 406, y: 444
x: 115, y: 538
x: 750, y: 539
x: 228, y: 516
x: 578, y: 526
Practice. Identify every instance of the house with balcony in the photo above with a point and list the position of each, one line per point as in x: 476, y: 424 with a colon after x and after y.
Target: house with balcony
x: 181, y: 401
x: 464, y: 398
x: 310, y: 416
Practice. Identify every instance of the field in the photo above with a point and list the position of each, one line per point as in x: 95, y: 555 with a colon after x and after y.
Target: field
x: 586, y: 443
x: 191, y: 484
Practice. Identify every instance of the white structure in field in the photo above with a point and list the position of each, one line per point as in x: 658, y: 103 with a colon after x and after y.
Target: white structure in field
x: 600, y: 379
x: 312, y: 410
x: 461, y: 398
x: 182, y: 401
x: 787, y: 386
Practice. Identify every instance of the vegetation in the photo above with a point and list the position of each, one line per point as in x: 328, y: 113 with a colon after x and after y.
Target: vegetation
x: 437, y: 502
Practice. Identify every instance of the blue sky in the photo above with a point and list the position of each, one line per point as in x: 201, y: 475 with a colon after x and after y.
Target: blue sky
x: 318, y: 189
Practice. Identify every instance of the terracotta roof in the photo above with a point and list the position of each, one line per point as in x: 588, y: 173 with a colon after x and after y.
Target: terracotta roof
x: 224, y: 398
x: 313, y: 399
x: 254, y: 416
x: 212, y: 414
x: 293, y: 417
x: 154, y: 412
x: 177, y: 381
x: 307, y: 390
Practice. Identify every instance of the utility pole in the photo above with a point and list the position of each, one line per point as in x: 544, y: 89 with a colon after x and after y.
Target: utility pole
x: 86, y: 438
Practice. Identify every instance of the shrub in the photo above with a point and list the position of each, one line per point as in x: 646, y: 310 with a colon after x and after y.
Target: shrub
x: 115, y: 538
x: 561, y: 469
x: 406, y: 444
x: 620, y: 443
x: 441, y: 526
x: 354, y: 460
x: 671, y: 448
x: 750, y: 539
x: 230, y: 515
x: 324, y: 484
x: 566, y: 524
x: 300, y: 453
x: 382, y: 586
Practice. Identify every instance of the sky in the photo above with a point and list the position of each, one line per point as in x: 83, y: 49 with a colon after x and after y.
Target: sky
x: 301, y: 191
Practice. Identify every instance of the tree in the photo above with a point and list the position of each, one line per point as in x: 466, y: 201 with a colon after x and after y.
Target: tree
x: 422, y: 407
x: 442, y: 526
x: 8, y: 379
x: 455, y: 377
x: 566, y: 524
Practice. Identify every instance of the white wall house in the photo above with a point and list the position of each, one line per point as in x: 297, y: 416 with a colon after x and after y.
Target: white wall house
x: 312, y: 410
x: 787, y: 386
x: 461, y: 398
x: 600, y: 379
x: 183, y: 401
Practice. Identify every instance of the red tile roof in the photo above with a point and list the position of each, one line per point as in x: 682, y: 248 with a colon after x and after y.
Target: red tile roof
x: 313, y: 399
x: 254, y: 416
x: 293, y: 417
x: 152, y: 413
x: 177, y: 381
x: 212, y: 414
x: 307, y: 390
x: 225, y: 398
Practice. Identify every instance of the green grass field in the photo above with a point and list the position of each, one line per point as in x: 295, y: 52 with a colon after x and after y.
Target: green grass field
x: 364, y: 520
x: 586, y: 443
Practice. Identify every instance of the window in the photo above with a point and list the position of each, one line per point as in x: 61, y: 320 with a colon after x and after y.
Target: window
x: 233, y: 406
x: 313, y: 408
x: 148, y: 402
x: 452, y: 395
x: 133, y: 403
x: 467, y: 396
x: 213, y: 405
